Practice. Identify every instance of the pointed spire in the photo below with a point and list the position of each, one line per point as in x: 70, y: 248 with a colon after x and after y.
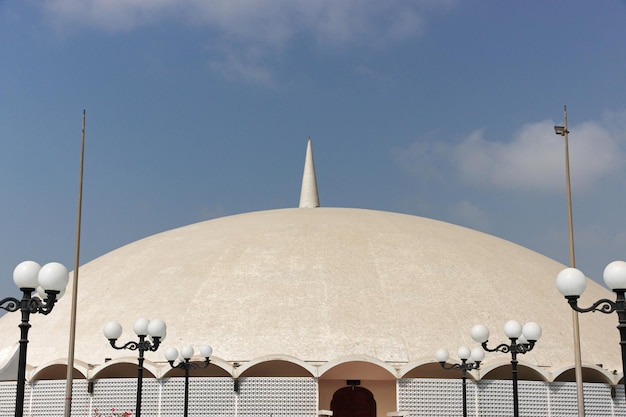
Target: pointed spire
x: 308, y: 195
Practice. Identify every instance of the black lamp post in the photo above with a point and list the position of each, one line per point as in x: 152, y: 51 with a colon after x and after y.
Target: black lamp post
x: 49, y: 281
x: 522, y: 340
x: 155, y: 328
x: 171, y: 354
x: 571, y: 282
x: 469, y: 360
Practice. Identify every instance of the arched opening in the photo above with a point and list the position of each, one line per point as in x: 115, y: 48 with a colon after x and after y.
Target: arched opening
x: 376, y: 378
x: 353, y: 401
x: 58, y: 371
x: 122, y: 370
x: 211, y: 370
x: 276, y: 368
x: 434, y: 370
x: 589, y: 375
x: 523, y: 373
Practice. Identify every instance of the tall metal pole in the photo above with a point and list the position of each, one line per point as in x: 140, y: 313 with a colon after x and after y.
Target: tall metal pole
x: 620, y: 303
x: 171, y: 354
x: 481, y: 334
x: 464, y: 366
x: 514, y: 376
x: 186, y: 405
x: 464, y: 384
x: 572, y: 262
x: 155, y: 328
x: 30, y: 305
x: 21, y: 367
x: 139, y: 377
x: 70, y: 355
x: 604, y: 306
x: 569, y: 192
x: 570, y: 223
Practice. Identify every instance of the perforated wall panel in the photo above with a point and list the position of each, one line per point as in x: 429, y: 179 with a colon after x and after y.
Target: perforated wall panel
x: 81, y: 399
x: 267, y: 397
x: 7, y: 398
x: 620, y: 401
x: 47, y: 398
x: 207, y: 397
x: 488, y: 398
x: 435, y: 397
x: 597, y: 400
x: 496, y: 398
x: 118, y: 395
x: 291, y: 397
x: 563, y: 399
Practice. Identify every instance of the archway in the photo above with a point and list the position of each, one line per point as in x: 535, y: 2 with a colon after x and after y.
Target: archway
x: 353, y: 401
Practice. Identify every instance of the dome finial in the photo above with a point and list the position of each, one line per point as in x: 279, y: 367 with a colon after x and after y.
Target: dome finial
x: 309, y: 198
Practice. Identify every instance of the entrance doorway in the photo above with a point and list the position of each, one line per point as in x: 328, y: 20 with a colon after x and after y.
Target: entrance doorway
x: 353, y: 401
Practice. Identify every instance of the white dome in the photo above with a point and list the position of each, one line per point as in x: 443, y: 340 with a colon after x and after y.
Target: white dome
x: 319, y: 284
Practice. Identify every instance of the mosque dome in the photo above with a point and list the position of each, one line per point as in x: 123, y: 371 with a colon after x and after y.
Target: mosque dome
x: 318, y: 285
x: 321, y: 284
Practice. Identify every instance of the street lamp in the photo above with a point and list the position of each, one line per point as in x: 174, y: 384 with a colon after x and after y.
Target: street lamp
x: 571, y: 282
x: 49, y: 281
x: 469, y: 360
x: 186, y: 353
x: 523, y: 339
x: 155, y: 328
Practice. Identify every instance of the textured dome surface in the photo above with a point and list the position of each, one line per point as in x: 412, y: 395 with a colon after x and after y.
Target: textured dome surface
x: 320, y: 284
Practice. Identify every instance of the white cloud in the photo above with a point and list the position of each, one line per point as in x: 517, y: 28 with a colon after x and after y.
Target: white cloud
x: 423, y: 159
x: 535, y: 157
x: 246, y: 33
x: 113, y: 15
x: 532, y: 159
x: 468, y: 214
x: 244, y: 65
x: 271, y: 22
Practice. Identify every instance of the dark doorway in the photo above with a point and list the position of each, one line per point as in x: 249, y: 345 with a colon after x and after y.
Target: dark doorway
x: 353, y: 402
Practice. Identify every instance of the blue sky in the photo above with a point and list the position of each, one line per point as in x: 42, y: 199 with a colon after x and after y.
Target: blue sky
x: 438, y: 108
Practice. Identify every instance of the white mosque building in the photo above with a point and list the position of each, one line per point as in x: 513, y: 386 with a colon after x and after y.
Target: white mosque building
x: 313, y: 310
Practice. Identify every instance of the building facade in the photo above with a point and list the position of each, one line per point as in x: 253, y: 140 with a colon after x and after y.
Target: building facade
x: 317, y: 308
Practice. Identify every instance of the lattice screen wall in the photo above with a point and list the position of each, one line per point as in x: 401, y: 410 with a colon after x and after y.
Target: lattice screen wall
x: 277, y: 397
x: 207, y: 397
x: 487, y: 398
x: 291, y: 397
x: 7, y: 399
x: 215, y: 397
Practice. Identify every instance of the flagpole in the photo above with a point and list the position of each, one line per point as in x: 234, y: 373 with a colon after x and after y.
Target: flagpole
x: 72, y: 341
x: 572, y: 263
